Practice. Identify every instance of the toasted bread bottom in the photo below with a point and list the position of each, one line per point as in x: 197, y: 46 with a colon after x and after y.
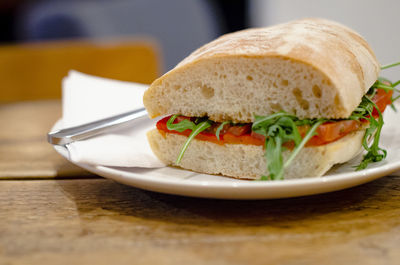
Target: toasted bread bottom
x: 248, y: 161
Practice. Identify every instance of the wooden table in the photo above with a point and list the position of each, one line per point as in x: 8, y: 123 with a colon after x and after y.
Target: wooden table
x: 54, y: 213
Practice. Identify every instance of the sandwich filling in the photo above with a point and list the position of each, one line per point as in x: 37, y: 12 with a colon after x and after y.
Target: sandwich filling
x: 281, y: 131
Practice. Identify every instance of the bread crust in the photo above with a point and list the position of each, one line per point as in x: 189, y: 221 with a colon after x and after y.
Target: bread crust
x: 248, y: 161
x: 256, y: 63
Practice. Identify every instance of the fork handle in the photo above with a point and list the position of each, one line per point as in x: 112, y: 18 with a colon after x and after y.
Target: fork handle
x: 84, y: 131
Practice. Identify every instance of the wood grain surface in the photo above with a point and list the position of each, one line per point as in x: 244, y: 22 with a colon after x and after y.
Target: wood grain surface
x: 24, y: 151
x: 97, y: 221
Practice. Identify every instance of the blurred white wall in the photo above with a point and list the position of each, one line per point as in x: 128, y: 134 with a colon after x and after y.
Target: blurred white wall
x: 376, y: 20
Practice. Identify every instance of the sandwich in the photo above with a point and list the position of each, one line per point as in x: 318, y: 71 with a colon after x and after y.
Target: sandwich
x: 282, y: 102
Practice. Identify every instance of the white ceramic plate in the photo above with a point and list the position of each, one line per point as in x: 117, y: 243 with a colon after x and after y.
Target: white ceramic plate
x: 182, y: 182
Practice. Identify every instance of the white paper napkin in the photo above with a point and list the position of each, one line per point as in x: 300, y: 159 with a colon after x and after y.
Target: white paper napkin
x: 88, y: 98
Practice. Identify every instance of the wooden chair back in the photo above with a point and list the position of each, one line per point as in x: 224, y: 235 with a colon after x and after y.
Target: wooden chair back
x: 35, y: 70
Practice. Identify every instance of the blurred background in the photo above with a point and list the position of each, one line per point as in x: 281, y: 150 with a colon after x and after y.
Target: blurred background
x: 138, y: 40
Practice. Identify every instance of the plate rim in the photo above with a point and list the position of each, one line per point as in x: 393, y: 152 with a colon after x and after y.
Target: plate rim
x: 234, y: 190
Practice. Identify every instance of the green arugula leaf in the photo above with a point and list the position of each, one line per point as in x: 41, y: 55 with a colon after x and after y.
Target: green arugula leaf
x: 220, y: 127
x: 389, y: 65
x: 198, y: 129
x: 263, y: 121
x: 386, y: 85
x: 278, y: 129
x: 364, y: 111
x: 274, y: 158
x: 374, y: 152
x: 310, y: 133
x: 395, y: 83
x: 180, y: 126
x: 396, y: 98
x: 187, y: 125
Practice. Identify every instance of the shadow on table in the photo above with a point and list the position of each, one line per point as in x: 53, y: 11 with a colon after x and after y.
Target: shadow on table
x: 373, y: 200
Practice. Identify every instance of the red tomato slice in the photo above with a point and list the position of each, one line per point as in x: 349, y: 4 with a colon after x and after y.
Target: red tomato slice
x: 331, y: 131
x: 239, y: 130
x: 382, y: 99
